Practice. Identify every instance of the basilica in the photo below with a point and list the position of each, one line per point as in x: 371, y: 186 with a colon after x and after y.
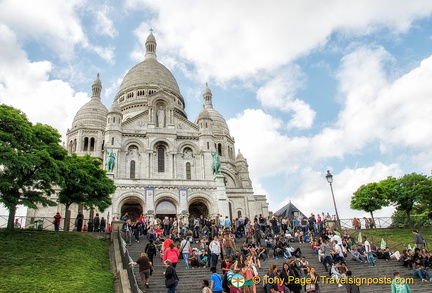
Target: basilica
x: 162, y: 163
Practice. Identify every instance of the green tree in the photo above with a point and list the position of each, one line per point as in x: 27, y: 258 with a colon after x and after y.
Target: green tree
x: 369, y: 198
x: 408, y: 191
x: 29, y: 159
x: 84, y: 182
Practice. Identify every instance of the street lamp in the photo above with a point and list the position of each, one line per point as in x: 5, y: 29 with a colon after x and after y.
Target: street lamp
x: 329, y: 178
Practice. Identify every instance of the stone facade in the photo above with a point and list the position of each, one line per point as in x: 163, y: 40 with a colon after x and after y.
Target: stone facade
x: 163, y: 161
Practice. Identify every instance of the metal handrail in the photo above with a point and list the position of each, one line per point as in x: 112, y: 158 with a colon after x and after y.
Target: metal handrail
x: 126, y: 259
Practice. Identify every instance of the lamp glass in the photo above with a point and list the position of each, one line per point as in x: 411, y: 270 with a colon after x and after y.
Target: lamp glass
x: 329, y: 177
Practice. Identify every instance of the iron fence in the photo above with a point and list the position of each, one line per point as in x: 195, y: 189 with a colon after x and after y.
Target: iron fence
x: 41, y: 223
x: 387, y: 222
x: 126, y: 259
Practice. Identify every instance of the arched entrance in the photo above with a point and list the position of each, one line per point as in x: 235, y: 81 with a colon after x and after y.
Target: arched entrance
x: 133, y: 207
x: 198, y: 208
x: 166, y: 208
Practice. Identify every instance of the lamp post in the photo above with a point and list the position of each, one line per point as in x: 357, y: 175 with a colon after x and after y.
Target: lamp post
x: 329, y: 178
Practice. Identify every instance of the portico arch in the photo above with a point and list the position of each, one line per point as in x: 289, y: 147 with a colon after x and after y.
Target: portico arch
x: 132, y: 205
x: 198, y: 207
x: 166, y: 208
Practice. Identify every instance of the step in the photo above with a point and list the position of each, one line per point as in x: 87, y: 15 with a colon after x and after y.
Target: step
x: 190, y: 280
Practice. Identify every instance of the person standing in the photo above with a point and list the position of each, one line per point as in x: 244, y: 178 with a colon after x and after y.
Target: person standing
x: 418, y: 239
x: 368, y: 249
x: 171, y: 278
x: 57, y: 219
x: 102, y: 225
x: 215, y: 281
x: 184, y: 249
x: 96, y: 223
x: 399, y: 285
x: 79, y: 221
x: 144, y: 270
x: 150, y: 249
x: 171, y: 254
x: 325, y: 248
x: 215, y: 250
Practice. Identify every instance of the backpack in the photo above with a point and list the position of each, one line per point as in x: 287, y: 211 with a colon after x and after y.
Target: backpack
x: 151, y: 248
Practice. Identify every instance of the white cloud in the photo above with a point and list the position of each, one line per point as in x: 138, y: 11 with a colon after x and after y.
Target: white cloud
x: 26, y: 85
x: 103, y: 24
x: 53, y: 23
x: 303, y: 116
x: 274, y: 150
x: 376, y: 111
x: 314, y: 194
x: 280, y: 92
x: 105, y: 53
x: 241, y: 39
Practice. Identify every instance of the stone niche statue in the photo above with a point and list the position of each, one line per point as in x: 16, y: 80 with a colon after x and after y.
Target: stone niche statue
x: 216, y: 164
x: 110, y: 162
x: 161, y: 117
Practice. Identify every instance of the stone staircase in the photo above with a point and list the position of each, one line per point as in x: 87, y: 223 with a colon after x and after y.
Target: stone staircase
x: 190, y: 280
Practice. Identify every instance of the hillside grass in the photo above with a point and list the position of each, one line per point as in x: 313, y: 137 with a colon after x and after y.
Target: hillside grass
x: 396, y: 239
x: 47, y: 261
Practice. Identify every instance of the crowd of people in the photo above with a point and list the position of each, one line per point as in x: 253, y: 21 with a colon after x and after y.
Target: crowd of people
x: 243, y: 245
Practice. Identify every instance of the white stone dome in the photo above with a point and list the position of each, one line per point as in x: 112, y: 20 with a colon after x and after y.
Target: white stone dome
x: 149, y: 73
x: 92, y: 114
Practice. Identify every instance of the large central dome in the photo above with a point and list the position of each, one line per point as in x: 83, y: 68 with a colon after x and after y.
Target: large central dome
x: 150, y: 72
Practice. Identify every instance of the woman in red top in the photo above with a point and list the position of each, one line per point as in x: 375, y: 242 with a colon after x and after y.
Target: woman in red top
x: 171, y: 254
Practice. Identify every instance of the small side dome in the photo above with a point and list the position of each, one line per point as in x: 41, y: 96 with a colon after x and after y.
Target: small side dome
x: 204, y: 114
x: 92, y: 114
x: 115, y: 108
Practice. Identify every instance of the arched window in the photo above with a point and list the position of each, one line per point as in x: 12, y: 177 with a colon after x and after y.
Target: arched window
x: 188, y: 171
x: 74, y: 145
x: 161, y: 159
x: 103, y: 144
x: 86, y: 143
x: 219, y: 148
x: 71, y: 146
x: 132, y: 169
x: 112, y: 140
x: 92, y: 144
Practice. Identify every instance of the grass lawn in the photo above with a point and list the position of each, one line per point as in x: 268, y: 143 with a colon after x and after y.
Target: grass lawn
x: 396, y: 239
x: 45, y: 261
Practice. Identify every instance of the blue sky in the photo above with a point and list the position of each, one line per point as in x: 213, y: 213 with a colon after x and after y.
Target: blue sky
x: 305, y: 86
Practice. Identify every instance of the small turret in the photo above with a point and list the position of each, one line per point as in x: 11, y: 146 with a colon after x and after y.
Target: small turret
x: 150, y: 46
x: 97, y: 87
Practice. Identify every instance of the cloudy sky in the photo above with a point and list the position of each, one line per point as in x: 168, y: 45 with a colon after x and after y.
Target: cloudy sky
x: 305, y: 86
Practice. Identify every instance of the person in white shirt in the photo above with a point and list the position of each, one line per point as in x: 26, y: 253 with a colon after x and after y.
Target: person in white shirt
x: 337, y: 238
x: 221, y: 221
x: 337, y: 248
x: 215, y: 250
x: 370, y: 257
